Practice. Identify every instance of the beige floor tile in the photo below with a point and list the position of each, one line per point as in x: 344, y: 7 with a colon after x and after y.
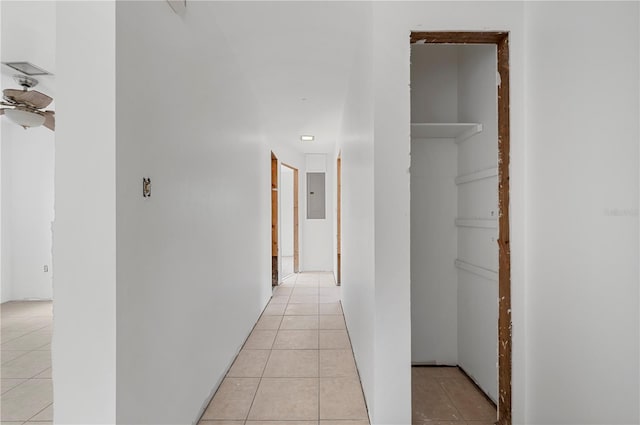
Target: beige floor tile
x: 334, y: 339
x: 9, y: 335
x: 279, y: 299
x: 30, y: 341
x: 326, y: 284
x: 249, y: 364
x: 337, y: 363
x: 219, y: 422
x: 304, y: 290
x: 303, y: 299
x: 260, y: 339
x: 430, y: 402
x: 7, y: 356
x: 304, y: 277
x: 269, y: 322
x: 341, y: 398
x: 351, y: 422
x: 46, y: 415
x: 325, y: 299
x: 299, y: 322
x: 233, y: 399
x: 44, y: 375
x: 471, y: 404
x: 282, y: 423
x: 335, y: 291
x: 443, y: 423
x: 286, y: 399
x: 8, y: 384
x: 332, y: 322
x: 307, y: 284
x: 11, y: 423
x: 296, y: 340
x: 274, y: 309
x: 282, y: 290
x: 27, y: 366
x: 301, y: 309
x: 26, y: 400
x: 292, y: 364
x: 330, y: 308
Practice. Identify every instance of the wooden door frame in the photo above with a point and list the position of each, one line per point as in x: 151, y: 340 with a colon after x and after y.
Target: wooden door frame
x: 296, y: 218
x: 501, y: 40
x: 339, y: 218
x: 274, y: 220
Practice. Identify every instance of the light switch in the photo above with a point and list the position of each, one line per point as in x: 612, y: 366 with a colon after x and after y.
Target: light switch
x: 146, y: 187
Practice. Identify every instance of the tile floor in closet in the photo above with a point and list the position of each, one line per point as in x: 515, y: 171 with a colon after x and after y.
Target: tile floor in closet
x: 446, y: 396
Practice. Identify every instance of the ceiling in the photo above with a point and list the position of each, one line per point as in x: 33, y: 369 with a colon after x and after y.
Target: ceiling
x: 296, y: 55
x: 29, y: 34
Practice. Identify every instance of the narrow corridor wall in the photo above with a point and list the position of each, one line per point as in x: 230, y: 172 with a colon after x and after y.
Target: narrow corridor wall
x: 193, y: 265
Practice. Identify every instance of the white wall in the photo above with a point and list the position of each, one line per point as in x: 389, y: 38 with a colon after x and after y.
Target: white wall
x: 434, y: 280
x: 84, y: 236
x: 356, y: 144
x: 434, y: 99
x: 393, y: 22
x: 434, y: 203
x: 27, y: 158
x: 317, y: 244
x: 477, y: 296
x: 193, y: 264
x: 582, y: 212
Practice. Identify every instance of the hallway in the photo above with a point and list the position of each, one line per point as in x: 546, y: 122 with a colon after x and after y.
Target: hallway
x: 297, y: 364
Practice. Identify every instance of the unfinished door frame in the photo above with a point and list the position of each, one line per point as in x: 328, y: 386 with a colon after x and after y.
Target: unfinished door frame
x: 274, y: 220
x: 339, y: 218
x: 296, y: 219
x: 501, y: 40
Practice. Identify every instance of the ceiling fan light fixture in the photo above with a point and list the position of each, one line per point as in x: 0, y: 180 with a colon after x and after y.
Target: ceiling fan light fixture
x: 23, y: 118
x: 27, y: 68
x: 307, y: 138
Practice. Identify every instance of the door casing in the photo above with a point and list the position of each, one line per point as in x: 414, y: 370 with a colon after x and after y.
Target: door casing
x: 501, y: 40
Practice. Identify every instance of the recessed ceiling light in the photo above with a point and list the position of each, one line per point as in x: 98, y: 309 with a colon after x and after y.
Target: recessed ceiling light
x: 307, y: 138
x: 27, y: 68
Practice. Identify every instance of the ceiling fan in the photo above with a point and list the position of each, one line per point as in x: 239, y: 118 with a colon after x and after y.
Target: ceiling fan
x: 27, y: 105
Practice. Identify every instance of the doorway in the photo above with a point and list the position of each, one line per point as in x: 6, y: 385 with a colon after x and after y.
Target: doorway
x: 289, y: 220
x: 274, y: 220
x: 459, y: 213
x: 339, y: 220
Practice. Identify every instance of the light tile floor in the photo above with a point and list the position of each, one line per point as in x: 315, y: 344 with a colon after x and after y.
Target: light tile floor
x: 297, y: 366
x: 446, y: 396
x: 26, y: 396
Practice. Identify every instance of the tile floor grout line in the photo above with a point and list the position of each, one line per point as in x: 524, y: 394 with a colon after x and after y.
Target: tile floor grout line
x: 40, y: 412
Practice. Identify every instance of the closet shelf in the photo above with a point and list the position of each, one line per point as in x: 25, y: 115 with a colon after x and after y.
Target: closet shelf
x: 479, y: 223
x: 478, y: 175
x: 477, y: 270
x: 457, y: 131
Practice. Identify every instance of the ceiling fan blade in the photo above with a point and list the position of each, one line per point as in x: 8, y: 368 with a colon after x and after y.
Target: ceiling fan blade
x: 50, y: 120
x: 2, y: 111
x: 31, y: 98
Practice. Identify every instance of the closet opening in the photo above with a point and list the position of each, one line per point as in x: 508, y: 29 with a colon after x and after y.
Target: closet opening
x: 460, y: 257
